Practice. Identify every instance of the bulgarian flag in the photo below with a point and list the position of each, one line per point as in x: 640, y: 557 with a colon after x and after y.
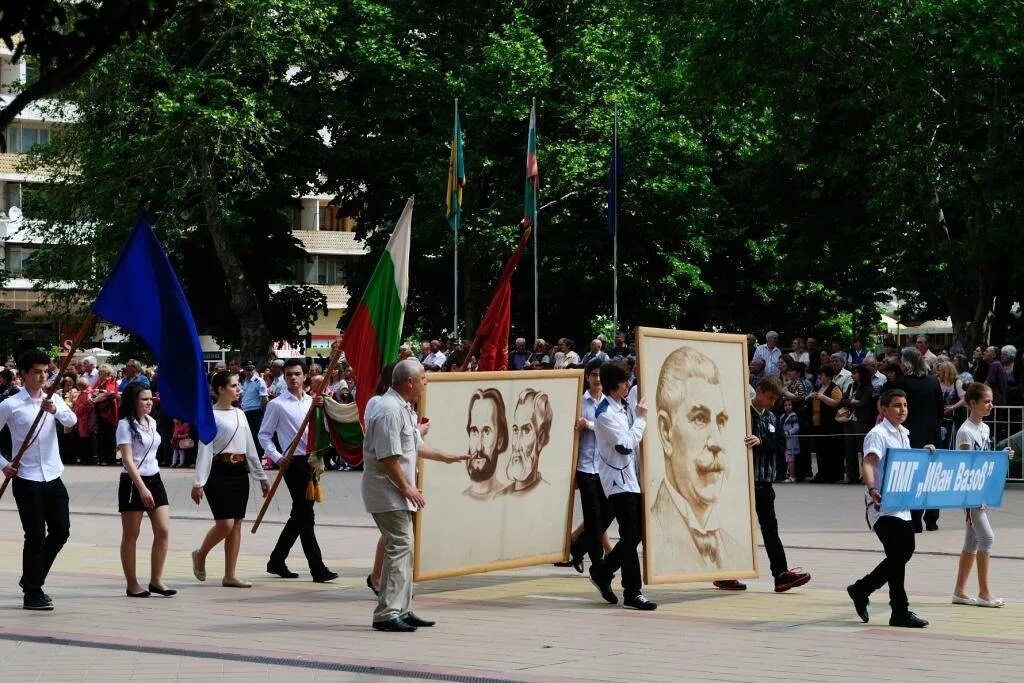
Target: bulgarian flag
x: 532, y: 171
x: 374, y: 333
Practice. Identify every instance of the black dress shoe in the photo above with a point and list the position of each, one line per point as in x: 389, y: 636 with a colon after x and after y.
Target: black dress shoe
x: 414, y: 620
x: 907, y: 620
x: 395, y: 625
x: 603, y: 584
x: 860, y: 603
x: 140, y: 594
x: 41, y: 603
x: 166, y: 592
x: 281, y: 570
x: 931, y: 526
x: 640, y: 602
x: 325, y: 577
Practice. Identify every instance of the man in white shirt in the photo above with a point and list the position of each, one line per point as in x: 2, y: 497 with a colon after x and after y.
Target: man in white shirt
x: 39, y: 492
x: 843, y: 377
x: 277, y: 385
x: 391, y: 447
x: 90, y: 371
x: 434, y: 362
x: 929, y: 358
x: 770, y: 353
x: 618, y: 442
x: 283, y: 417
x: 893, y: 528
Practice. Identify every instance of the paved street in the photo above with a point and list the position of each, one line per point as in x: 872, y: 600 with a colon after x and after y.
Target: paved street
x: 539, y: 624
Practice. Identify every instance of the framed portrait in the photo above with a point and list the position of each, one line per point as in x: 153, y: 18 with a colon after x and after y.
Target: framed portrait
x: 510, y: 505
x: 697, y: 476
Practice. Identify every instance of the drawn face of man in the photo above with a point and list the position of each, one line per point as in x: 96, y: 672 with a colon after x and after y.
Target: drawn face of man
x: 483, y: 440
x: 693, y: 439
x: 525, y: 450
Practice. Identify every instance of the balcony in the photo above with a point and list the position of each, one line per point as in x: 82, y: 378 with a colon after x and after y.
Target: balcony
x: 330, y: 242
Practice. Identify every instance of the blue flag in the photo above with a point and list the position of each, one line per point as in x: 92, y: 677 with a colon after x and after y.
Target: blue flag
x: 143, y: 296
x: 614, y: 180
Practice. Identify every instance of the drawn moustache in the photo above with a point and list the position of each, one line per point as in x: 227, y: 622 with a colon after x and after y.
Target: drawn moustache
x: 716, y: 467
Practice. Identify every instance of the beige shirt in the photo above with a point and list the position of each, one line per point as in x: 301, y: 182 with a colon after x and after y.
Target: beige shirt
x: 391, y: 430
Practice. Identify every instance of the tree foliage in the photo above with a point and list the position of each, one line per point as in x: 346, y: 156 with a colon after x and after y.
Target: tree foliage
x: 788, y: 165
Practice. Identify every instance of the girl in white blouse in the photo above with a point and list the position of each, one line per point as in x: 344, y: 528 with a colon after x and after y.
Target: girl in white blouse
x: 223, y: 469
x: 141, y: 490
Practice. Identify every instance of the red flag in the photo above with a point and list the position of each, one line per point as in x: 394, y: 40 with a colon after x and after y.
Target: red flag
x: 492, y: 334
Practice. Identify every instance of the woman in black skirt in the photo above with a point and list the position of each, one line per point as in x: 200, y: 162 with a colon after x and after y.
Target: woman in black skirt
x: 141, y: 490
x: 223, y: 468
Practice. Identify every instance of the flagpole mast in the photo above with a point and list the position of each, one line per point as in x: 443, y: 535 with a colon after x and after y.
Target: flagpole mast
x: 455, y: 269
x: 536, y: 276
x: 615, y: 222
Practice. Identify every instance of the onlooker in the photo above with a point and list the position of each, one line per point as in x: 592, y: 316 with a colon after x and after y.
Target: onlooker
x: 828, y: 445
x: 520, y: 355
x: 757, y: 371
x: 769, y: 353
x: 929, y: 358
x: 842, y: 377
x: 105, y: 403
x: 434, y: 361
x: 540, y: 359
x: 595, y: 353
x: 996, y: 377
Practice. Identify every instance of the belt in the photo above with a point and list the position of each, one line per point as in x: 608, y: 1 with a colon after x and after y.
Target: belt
x: 231, y: 458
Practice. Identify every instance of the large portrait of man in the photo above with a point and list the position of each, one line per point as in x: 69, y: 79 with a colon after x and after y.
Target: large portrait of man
x: 697, y: 471
x: 531, y: 432
x: 487, y: 433
x: 511, y: 505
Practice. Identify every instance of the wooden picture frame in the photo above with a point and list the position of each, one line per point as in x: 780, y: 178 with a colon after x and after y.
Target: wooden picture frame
x: 517, y: 512
x: 698, y: 475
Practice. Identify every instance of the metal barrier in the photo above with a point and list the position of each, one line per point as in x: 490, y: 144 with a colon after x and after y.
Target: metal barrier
x: 1007, y: 428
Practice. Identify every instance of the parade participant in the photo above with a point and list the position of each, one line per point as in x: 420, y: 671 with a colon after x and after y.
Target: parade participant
x: 618, y: 436
x: 391, y: 447
x: 893, y: 527
x: 383, y: 384
x: 973, y: 435
x: 283, y: 417
x: 223, y: 468
x: 141, y: 490
x: 597, y: 513
x: 39, y: 493
x: 766, y: 441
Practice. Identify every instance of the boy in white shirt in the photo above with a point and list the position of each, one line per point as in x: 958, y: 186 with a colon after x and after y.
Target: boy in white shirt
x: 893, y: 528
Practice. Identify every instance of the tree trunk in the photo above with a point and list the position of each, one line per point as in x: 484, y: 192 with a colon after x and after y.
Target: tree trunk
x: 256, y: 341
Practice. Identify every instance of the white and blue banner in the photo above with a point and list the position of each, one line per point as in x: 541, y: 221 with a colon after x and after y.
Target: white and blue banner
x: 917, y: 479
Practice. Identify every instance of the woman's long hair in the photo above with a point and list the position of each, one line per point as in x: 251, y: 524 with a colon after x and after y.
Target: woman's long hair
x: 130, y: 406
x: 913, y: 362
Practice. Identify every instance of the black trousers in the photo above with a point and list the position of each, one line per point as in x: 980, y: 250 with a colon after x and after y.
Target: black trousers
x: 254, y: 418
x: 43, y: 508
x: 829, y: 448
x: 929, y: 517
x: 624, y: 555
x: 597, y: 515
x: 897, y: 537
x: 764, y: 504
x: 300, y: 522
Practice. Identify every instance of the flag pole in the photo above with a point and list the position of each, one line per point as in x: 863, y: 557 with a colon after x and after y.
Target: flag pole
x: 536, y: 276
x: 290, y: 451
x: 615, y: 221
x: 455, y: 267
x: 29, y: 438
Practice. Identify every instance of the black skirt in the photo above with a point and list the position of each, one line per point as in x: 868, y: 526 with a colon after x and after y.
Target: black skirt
x: 128, y: 498
x: 227, y: 489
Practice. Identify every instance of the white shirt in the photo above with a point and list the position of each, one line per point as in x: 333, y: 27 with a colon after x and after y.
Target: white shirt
x: 770, y: 356
x: 879, y: 440
x: 391, y: 430
x: 843, y: 380
x: 144, y: 446
x: 41, y: 460
x: 93, y: 377
x: 565, y: 360
x: 587, y: 459
x: 283, y: 415
x: 618, y: 442
x: 974, y: 436
x: 277, y: 387
x: 233, y: 436
x: 437, y: 358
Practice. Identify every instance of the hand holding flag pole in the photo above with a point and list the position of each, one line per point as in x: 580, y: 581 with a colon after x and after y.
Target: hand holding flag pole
x: 289, y: 453
x: 30, y: 436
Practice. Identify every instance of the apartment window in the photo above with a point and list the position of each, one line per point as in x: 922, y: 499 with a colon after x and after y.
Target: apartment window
x: 12, y: 195
x: 31, y: 70
x: 330, y: 270
x: 16, y: 258
x: 22, y: 138
x: 328, y: 217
